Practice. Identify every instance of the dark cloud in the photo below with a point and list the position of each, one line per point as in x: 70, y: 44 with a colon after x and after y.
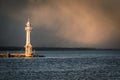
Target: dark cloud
x: 66, y: 23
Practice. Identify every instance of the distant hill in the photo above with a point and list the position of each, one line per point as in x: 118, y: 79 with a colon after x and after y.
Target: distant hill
x: 50, y: 49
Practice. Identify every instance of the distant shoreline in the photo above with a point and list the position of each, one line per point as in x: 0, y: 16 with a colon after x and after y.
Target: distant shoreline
x: 53, y: 49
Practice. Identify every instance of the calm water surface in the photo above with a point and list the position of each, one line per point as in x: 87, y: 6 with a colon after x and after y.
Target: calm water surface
x: 63, y: 65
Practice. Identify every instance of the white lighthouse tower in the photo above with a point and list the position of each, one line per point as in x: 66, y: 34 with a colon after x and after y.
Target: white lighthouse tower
x: 28, y: 46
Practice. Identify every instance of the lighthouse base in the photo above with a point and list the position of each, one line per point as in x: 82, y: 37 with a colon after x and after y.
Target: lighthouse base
x: 28, y: 54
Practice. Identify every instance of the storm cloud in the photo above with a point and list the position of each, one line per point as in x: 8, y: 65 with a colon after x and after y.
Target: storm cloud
x: 61, y: 23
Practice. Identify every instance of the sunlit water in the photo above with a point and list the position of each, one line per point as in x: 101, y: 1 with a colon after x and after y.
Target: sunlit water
x: 63, y: 65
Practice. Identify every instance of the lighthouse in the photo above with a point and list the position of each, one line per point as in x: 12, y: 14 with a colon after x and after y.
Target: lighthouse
x: 28, y: 46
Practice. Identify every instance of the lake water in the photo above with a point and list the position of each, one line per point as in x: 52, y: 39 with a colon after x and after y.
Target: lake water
x: 63, y: 65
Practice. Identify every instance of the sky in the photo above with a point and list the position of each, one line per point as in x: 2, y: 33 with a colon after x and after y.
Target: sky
x: 61, y: 23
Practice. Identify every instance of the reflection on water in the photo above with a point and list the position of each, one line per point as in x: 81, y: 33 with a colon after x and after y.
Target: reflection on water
x: 63, y: 65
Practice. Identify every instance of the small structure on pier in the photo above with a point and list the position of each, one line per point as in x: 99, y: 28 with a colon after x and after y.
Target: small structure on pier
x: 28, y: 46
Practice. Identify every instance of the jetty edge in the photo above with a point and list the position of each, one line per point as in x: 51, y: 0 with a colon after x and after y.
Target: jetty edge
x: 19, y: 55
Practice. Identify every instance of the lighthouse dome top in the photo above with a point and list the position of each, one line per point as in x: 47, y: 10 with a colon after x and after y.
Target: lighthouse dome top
x: 28, y: 23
